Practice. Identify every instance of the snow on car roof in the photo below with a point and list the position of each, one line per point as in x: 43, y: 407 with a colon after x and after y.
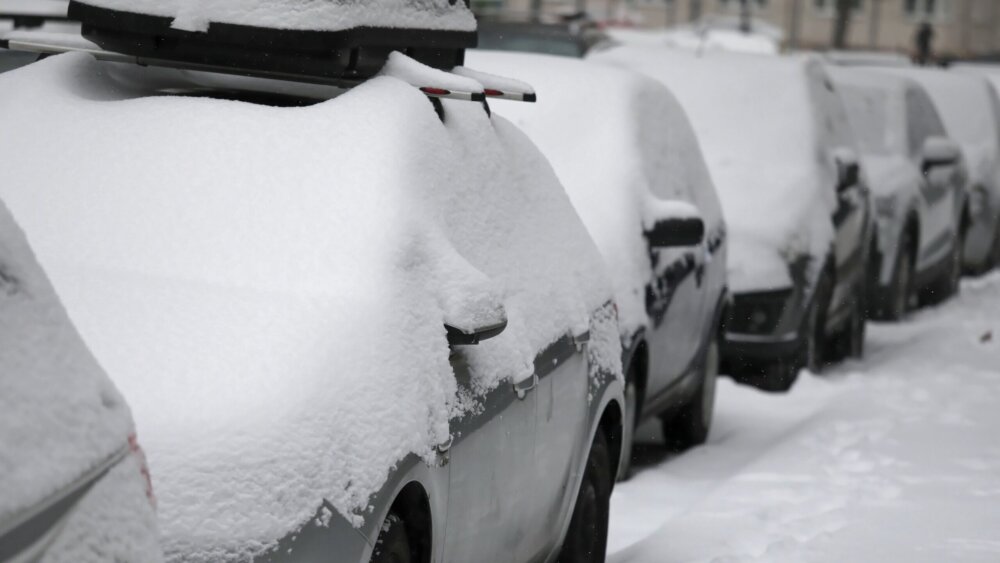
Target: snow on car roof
x: 259, y: 280
x: 323, y: 15
x: 617, y: 150
x: 755, y: 119
x: 60, y: 415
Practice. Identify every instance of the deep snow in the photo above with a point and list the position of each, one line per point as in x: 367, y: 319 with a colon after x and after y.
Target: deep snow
x: 894, y: 458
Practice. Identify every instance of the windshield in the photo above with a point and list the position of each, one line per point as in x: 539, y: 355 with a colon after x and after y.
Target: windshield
x: 869, y: 112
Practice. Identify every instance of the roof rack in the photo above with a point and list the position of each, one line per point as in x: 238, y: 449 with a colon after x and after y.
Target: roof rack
x: 51, y: 44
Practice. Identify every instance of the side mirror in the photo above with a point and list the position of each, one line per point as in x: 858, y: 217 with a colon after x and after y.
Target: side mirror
x: 470, y: 337
x: 848, y: 169
x: 666, y: 233
x: 939, y: 151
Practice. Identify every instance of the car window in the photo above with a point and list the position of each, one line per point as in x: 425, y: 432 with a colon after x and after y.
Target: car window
x: 870, y: 113
x: 922, y: 120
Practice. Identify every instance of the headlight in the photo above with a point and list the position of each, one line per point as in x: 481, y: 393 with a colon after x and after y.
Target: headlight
x: 759, y: 312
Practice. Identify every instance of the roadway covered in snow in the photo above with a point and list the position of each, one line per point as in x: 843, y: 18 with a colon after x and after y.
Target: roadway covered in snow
x: 894, y: 458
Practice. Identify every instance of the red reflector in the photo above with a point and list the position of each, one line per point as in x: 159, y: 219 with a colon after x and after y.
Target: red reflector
x: 492, y: 92
x: 435, y: 91
x: 140, y: 456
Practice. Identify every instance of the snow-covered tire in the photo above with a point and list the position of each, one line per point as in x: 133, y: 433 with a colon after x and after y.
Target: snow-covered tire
x: 629, y: 424
x: 947, y: 285
x: 778, y: 376
x: 393, y: 544
x: 587, y: 537
x: 813, y: 350
x: 850, y: 340
x: 690, y: 427
x: 899, y: 299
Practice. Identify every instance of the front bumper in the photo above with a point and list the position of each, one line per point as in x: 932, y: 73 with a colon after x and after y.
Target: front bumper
x: 764, y: 326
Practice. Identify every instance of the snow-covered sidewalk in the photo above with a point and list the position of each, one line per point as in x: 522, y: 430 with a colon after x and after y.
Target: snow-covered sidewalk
x: 895, y: 458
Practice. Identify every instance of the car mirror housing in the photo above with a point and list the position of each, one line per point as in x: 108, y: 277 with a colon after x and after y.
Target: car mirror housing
x: 939, y: 151
x: 673, y: 232
x: 848, y: 169
x: 469, y: 337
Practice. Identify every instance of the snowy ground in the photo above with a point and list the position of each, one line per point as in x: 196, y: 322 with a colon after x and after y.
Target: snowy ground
x: 895, y: 458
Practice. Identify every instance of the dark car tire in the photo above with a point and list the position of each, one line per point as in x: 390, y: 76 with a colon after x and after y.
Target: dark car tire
x: 898, y: 301
x: 393, y: 544
x: 850, y: 340
x: 587, y: 537
x: 690, y: 426
x: 629, y: 424
x: 948, y: 284
x: 814, y: 346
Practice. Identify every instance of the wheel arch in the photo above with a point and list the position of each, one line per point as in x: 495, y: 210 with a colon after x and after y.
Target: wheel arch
x: 412, y: 506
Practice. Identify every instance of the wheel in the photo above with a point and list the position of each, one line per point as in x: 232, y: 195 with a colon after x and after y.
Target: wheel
x: 814, y: 346
x: 629, y: 424
x: 949, y: 282
x: 587, y: 537
x: 778, y: 377
x: 899, y: 301
x: 691, y: 425
x: 850, y: 341
x: 393, y: 545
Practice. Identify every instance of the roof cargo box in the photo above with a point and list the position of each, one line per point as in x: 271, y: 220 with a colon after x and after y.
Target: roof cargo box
x: 320, y: 39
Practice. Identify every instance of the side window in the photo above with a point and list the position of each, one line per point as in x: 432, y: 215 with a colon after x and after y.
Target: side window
x: 922, y: 119
x: 834, y: 126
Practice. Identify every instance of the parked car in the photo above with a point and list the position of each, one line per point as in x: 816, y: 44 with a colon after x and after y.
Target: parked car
x: 971, y: 114
x: 796, y: 208
x: 371, y: 328
x: 633, y: 169
x: 916, y: 177
x: 75, y: 485
x: 567, y: 39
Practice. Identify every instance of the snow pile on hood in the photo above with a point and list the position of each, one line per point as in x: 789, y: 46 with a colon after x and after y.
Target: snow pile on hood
x: 60, y: 416
x: 971, y: 115
x: 269, y: 286
x: 761, y: 143
x: 320, y: 15
x: 618, y: 151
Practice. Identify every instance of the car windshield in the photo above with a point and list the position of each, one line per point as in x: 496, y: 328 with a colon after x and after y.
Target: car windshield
x: 869, y: 112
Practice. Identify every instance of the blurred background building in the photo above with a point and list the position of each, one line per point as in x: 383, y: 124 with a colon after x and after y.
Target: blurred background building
x: 962, y: 28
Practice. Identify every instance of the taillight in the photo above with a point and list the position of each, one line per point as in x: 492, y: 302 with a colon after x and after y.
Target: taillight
x: 136, y: 451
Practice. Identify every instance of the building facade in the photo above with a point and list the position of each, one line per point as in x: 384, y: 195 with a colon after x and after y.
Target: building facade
x: 961, y: 27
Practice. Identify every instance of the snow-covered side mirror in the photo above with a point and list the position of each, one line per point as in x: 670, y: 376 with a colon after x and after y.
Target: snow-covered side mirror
x: 678, y: 231
x: 848, y: 169
x: 468, y: 337
x: 939, y: 151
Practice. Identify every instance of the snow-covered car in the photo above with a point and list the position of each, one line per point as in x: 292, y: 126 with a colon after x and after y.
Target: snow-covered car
x: 367, y: 328
x: 569, y: 39
x: 915, y: 173
x: 634, y: 171
x: 969, y: 108
x: 783, y: 159
x: 328, y: 39
x: 74, y: 484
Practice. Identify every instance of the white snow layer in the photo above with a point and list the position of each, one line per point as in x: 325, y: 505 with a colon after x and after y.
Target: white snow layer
x: 893, y: 458
x: 764, y: 149
x: 321, y: 15
x: 622, y: 151
x: 261, y: 281
x: 60, y: 415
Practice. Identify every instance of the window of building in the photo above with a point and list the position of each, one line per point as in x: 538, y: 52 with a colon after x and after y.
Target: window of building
x: 736, y: 3
x: 827, y: 7
x: 923, y: 9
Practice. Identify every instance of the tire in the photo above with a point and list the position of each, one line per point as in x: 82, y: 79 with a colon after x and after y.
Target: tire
x: 690, y: 427
x: 899, y: 300
x: 947, y: 285
x: 814, y: 346
x: 393, y: 544
x: 778, y: 377
x: 850, y: 341
x: 629, y: 424
x: 587, y: 537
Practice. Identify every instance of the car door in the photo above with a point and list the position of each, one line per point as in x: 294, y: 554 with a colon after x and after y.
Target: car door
x: 561, y: 441
x: 491, y: 460
x: 851, y: 217
x: 937, y: 188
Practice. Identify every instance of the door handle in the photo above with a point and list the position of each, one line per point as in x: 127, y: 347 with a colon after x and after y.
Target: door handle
x: 521, y: 388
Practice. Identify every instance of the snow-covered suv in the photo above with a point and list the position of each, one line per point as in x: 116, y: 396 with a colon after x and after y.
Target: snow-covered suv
x: 634, y: 171
x: 74, y: 484
x: 915, y: 173
x: 797, y: 210
x: 367, y: 328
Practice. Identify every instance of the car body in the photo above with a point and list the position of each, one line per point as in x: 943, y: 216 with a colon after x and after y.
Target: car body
x: 75, y: 484
x: 970, y: 110
x: 570, y: 39
x: 917, y: 197
x: 796, y: 209
x: 626, y: 154
x: 299, y: 301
